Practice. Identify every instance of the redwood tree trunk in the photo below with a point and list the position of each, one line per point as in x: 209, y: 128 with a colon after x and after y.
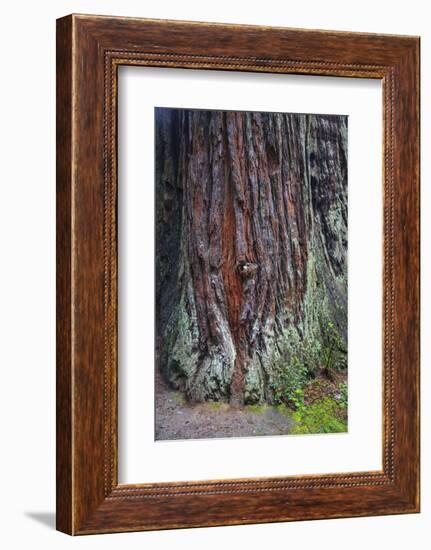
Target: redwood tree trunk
x: 251, y: 248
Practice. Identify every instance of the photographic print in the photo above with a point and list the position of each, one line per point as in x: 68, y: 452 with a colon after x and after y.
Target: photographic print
x: 251, y: 232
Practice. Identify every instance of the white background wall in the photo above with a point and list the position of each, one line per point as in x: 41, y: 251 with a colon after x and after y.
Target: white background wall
x: 27, y: 245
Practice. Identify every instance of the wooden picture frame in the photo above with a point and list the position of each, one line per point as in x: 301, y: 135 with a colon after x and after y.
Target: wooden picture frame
x: 89, y: 51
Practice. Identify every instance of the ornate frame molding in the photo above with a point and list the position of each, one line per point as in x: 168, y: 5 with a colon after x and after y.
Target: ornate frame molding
x: 90, y: 49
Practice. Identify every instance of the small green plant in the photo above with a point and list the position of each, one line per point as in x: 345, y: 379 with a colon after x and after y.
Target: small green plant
x: 297, y: 400
x: 343, y: 395
x: 289, y: 383
x: 323, y: 416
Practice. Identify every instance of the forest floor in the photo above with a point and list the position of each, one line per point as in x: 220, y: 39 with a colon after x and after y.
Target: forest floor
x: 178, y: 419
x: 319, y: 412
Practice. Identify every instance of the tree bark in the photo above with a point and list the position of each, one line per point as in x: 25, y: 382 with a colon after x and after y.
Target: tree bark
x: 251, y: 249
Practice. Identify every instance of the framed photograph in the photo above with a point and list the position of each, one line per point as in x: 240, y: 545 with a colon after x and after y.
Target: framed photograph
x: 237, y: 274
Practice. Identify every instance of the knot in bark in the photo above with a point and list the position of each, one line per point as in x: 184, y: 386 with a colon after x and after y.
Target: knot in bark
x: 247, y: 270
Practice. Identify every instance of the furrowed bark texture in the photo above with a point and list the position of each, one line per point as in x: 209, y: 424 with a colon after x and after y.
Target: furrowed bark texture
x: 251, y: 248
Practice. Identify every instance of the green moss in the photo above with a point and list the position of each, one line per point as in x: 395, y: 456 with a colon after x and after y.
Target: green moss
x: 323, y: 416
x: 257, y: 408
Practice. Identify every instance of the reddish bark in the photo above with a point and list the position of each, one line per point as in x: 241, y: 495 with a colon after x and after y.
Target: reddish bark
x: 251, y: 237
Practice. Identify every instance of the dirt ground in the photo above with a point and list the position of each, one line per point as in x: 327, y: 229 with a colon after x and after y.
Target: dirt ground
x: 177, y: 419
